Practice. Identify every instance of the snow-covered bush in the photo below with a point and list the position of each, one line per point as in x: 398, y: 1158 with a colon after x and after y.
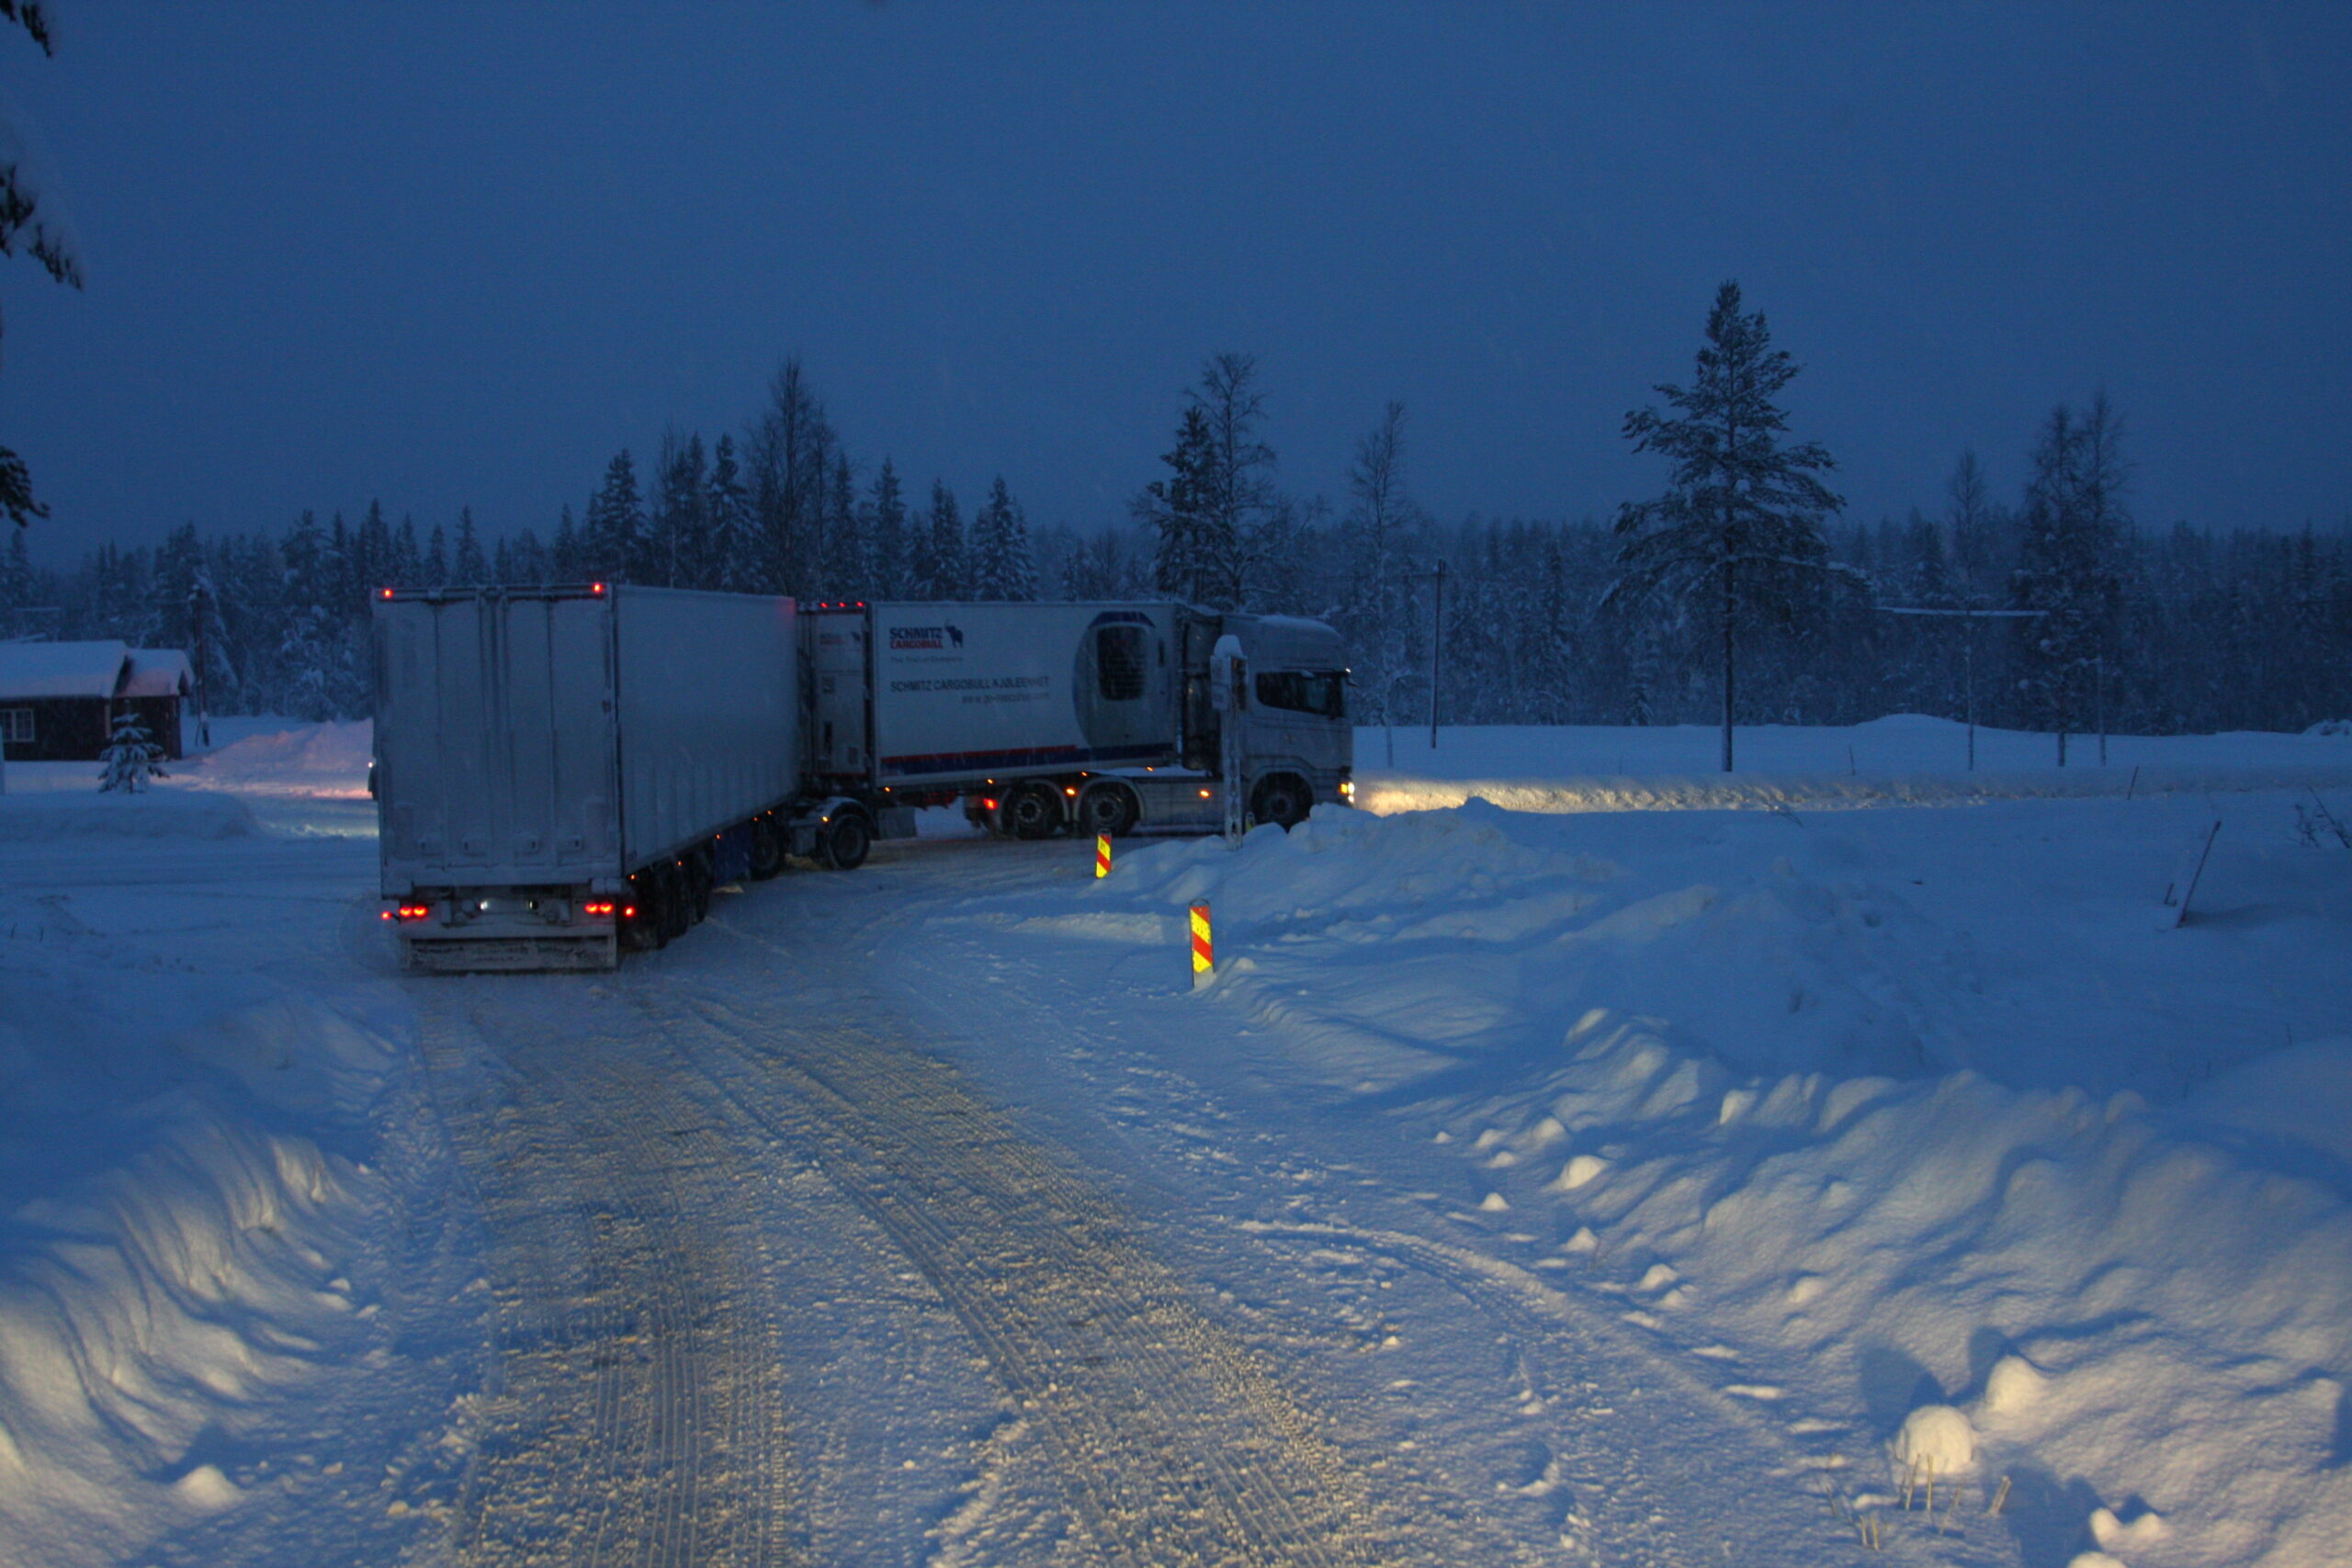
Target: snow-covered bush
x: 131, y: 757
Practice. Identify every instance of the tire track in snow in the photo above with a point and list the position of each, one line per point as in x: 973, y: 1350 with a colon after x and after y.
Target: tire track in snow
x: 635, y: 1417
x: 1172, y: 1444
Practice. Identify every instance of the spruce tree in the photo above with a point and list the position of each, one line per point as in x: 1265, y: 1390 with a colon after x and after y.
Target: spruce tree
x: 940, y: 572
x: 1002, y: 566
x: 847, y: 570
x: 466, y: 566
x: 566, y: 559
x: 1175, y: 509
x: 887, y: 534
x: 612, y: 534
x: 1740, y: 524
x: 2069, y: 547
x: 736, y: 560
x: 132, y: 756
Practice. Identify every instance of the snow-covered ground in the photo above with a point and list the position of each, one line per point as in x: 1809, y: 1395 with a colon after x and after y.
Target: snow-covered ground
x: 1560, y: 1183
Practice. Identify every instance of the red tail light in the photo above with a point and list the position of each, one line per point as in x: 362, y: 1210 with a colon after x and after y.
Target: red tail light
x: 988, y: 804
x: 411, y: 912
x: 596, y: 588
x: 628, y: 911
x: 598, y: 906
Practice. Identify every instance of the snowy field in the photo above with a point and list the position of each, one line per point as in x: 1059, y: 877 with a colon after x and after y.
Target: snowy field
x: 1541, y: 1178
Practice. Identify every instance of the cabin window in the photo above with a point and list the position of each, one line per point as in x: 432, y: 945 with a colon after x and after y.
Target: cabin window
x: 1119, y: 662
x: 17, y: 726
x: 1320, y: 692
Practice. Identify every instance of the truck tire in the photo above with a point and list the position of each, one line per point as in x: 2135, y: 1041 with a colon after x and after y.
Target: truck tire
x: 845, y: 840
x: 699, y: 882
x: 647, y: 931
x: 677, y: 899
x: 1035, y: 811
x: 1283, y: 799
x: 1108, y: 808
x: 767, y: 847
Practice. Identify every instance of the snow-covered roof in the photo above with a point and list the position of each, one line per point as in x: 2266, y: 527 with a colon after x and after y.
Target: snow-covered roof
x: 61, y: 669
x: 157, y: 672
x: 91, y: 669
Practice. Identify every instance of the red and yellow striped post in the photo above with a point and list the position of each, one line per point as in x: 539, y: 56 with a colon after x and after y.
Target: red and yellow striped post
x: 1204, y: 956
x: 1101, y: 854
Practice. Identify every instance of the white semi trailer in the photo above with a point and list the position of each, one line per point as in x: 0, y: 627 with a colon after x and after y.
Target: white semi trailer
x: 1092, y: 717
x: 562, y: 773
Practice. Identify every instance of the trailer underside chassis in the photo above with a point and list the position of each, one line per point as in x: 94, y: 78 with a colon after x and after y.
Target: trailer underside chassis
x: 1170, y: 801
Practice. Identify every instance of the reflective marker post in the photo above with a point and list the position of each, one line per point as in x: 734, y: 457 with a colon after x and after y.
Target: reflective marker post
x: 1101, y: 854
x: 1203, y: 957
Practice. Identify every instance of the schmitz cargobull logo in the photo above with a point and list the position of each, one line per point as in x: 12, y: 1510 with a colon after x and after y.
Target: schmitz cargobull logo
x: 906, y: 638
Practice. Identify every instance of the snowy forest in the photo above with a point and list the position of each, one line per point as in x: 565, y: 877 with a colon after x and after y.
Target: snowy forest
x: 2146, y: 629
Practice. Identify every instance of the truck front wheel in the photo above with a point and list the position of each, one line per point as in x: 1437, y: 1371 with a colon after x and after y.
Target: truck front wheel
x: 1108, y: 808
x: 845, y: 840
x: 1283, y: 799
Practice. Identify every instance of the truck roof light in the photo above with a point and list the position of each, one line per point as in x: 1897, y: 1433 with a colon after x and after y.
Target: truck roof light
x: 596, y: 588
x: 383, y: 593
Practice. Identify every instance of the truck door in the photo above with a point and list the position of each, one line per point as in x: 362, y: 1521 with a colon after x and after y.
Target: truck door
x: 839, y: 744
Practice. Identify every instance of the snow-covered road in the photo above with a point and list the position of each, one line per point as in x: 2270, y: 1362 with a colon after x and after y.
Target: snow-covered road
x: 845, y: 1233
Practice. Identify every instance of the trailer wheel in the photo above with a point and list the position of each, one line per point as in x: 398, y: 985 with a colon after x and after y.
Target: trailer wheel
x: 699, y: 882
x: 1108, y: 808
x: 767, y: 848
x: 1035, y: 811
x: 647, y: 930
x: 676, y: 903
x: 1283, y: 799
x: 845, y: 840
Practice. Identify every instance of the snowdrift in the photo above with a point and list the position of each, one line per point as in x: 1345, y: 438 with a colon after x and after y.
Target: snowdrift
x: 1916, y: 1117
x: 193, y: 1219
x: 1903, y: 759
x: 159, y: 813
x: 328, y: 760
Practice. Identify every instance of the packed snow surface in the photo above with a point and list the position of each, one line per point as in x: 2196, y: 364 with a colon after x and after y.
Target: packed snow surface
x: 1574, y: 1182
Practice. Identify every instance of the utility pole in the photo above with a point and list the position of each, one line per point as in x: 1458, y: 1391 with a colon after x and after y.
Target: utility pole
x: 1437, y: 648
x: 1969, y: 615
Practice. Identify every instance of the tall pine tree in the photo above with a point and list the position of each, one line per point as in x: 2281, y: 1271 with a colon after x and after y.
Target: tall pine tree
x: 1002, y: 566
x: 1740, y: 524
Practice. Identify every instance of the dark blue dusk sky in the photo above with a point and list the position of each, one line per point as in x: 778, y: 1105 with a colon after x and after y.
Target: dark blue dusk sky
x: 460, y: 255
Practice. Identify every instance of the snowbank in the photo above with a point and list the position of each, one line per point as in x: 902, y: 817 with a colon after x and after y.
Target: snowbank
x: 328, y: 760
x: 195, y: 1215
x: 1896, y: 1111
x: 159, y: 813
x: 1903, y: 760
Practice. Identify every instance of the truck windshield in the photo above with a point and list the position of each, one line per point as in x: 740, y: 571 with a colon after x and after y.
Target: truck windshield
x: 1320, y: 692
